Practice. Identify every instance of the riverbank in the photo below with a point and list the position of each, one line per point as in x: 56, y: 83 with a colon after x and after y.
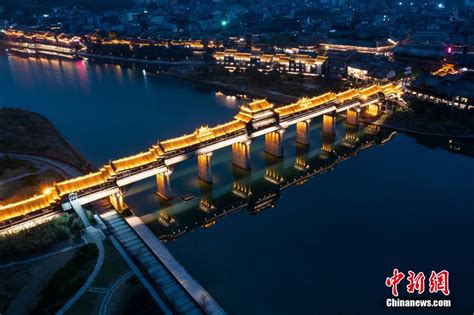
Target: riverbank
x: 22, y: 131
x: 254, y: 92
x: 240, y: 89
x: 33, y: 153
x: 411, y: 122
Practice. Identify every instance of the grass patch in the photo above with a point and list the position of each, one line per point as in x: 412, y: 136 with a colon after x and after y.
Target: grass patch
x: 68, y: 280
x: 114, y: 266
x: 9, y: 164
x: 39, y: 238
x: 136, y: 300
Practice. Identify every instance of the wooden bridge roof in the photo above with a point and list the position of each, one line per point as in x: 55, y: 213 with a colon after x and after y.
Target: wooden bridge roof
x: 323, y: 99
x: 201, y: 135
x: 304, y: 104
x: 257, y: 106
x: 266, y: 58
x: 27, y: 206
x: 83, y: 182
x: 347, y: 95
x: 107, y: 172
x: 371, y: 90
x: 137, y: 160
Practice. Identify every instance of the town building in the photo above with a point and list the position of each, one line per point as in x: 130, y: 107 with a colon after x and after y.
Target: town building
x: 232, y: 59
x: 455, y: 90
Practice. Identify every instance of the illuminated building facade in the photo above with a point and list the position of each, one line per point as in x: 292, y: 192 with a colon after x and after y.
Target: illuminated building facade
x: 448, y: 90
x: 231, y: 59
x: 382, y: 47
x: 42, y: 43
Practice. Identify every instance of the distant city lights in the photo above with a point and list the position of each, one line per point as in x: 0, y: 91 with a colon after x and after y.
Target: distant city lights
x: 441, y: 5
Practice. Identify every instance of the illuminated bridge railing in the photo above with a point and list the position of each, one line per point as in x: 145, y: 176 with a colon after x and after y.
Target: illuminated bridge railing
x: 260, y: 112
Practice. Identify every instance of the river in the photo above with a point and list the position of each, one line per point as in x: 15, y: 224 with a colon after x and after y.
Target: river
x: 323, y: 245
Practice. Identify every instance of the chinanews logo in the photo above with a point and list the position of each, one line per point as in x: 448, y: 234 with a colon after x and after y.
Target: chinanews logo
x: 438, y: 282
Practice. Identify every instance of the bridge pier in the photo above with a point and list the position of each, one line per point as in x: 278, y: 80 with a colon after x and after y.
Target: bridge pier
x: 204, y: 167
x: 241, y: 154
x: 302, y: 131
x: 274, y: 143
x: 117, y: 201
x: 352, y: 117
x: 163, y: 183
x: 329, y: 124
x: 374, y: 109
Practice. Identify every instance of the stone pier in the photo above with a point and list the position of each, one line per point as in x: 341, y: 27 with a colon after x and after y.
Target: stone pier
x: 352, y: 117
x: 329, y: 124
x: 374, y: 109
x: 117, y: 201
x: 302, y: 132
x: 274, y: 143
x: 241, y: 154
x: 204, y: 167
x: 163, y: 182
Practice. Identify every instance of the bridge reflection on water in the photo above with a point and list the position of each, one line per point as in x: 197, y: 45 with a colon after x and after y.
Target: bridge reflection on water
x: 256, y: 189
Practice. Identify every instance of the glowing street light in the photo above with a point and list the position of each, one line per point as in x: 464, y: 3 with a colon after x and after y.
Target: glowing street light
x: 224, y: 23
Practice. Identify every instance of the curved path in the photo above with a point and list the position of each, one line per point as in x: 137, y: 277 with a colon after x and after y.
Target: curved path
x: 90, y: 279
x: 64, y: 169
x: 104, y: 306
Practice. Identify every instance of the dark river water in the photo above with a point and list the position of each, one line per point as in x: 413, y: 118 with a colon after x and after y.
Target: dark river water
x: 316, y: 232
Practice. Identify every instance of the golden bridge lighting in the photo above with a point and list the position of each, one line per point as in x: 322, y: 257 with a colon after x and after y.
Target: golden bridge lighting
x: 107, y: 174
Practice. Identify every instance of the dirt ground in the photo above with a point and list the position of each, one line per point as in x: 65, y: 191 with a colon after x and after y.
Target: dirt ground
x: 21, y: 286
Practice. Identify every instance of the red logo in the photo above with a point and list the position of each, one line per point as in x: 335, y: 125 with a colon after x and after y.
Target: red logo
x: 438, y: 282
x: 394, y: 281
